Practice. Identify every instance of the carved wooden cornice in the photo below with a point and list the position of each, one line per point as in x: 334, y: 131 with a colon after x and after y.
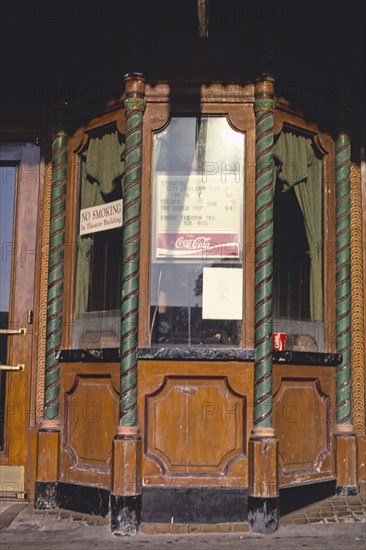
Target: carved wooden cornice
x: 192, y: 90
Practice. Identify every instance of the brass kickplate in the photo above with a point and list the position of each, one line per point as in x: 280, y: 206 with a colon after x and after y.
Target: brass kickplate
x: 12, y: 482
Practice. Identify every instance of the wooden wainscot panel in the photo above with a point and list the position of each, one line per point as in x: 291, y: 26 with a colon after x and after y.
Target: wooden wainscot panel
x: 195, y: 420
x: 90, y: 418
x: 302, y: 413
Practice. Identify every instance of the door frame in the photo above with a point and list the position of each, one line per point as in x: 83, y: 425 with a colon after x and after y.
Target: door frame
x: 19, y: 410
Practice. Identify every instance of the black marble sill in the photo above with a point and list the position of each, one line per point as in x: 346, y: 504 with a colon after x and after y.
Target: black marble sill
x: 246, y: 356
x: 196, y: 354
x: 99, y: 355
x: 309, y: 358
x: 112, y: 355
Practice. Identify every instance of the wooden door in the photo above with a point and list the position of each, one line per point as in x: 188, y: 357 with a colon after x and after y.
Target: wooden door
x: 19, y: 184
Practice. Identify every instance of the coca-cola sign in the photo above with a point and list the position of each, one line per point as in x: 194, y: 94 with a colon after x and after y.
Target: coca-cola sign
x: 196, y: 218
x: 193, y: 243
x: 197, y: 245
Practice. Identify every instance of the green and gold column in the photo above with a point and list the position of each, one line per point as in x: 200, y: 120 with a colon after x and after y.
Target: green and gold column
x: 263, y: 445
x: 49, y: 432
x: 134, y: 105
x: 345, y: 440
x: 126, y: 483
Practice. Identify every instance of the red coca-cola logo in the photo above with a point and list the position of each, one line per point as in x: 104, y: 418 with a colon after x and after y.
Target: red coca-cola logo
x: 193, y: 243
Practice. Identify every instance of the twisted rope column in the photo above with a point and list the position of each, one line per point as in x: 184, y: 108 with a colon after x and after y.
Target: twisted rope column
x: 358, y: 343
x: 343, y: 282
x: 41, y: 345
x: 55, y: 273
x: 264, y: 107
x: 135, y: 105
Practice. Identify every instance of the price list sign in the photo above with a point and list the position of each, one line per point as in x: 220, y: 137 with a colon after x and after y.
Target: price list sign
x: 197, y: 216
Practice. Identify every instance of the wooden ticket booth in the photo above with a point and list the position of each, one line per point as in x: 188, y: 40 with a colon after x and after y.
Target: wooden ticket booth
x: 164, y: 400
x: 161, y: 227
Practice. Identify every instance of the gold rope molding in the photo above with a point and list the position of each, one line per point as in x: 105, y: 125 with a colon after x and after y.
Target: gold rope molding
x: 41, y: 359
x: 358, y: 344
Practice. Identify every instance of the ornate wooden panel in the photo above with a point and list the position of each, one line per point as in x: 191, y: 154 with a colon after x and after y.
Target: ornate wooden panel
x: 90, y: 418
x: 195, y: 422
x: 303, y: 408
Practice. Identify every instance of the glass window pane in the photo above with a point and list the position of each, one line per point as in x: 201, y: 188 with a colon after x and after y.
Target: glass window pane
x: 7, y: 190
x: 7, y: 195
x: 98, y: 265
x: 195, y: 296
x: 298, y: 243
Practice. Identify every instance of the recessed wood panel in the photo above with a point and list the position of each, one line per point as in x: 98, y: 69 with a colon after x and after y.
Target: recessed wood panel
x: 302, y: 415
x: 195, y: 422
x: 90, y: 419
x: 206, y: 417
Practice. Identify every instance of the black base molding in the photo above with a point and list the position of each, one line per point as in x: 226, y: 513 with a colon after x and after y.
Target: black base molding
x: 347, y: 491
x: 194, y: 504
x: 125, y: 514
x: 46, y: 495
x: 263, y: 514
x: 293, y: 498
x: 80, y: 498
x: 184, y: 504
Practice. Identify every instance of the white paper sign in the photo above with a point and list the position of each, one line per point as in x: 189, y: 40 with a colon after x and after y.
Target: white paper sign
x: 101, y: 218
x: 222, y: 296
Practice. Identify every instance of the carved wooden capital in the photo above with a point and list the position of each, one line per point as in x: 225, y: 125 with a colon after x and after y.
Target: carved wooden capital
x: 135, y: 92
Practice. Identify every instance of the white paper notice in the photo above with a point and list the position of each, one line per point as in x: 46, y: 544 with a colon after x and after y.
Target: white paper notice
x: 222, y: 296
x: 101, y: 217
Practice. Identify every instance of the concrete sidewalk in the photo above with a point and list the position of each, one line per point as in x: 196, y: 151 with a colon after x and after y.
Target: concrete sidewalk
x: 336, y: 522
x: 337, y: 509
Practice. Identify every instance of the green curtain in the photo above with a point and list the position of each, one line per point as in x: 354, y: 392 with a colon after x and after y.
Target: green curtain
x: 102, y: 166
x: 104, y: 162
x: 299, y: 167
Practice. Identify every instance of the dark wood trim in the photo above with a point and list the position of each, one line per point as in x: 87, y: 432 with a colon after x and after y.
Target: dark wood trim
x: 329, y: 239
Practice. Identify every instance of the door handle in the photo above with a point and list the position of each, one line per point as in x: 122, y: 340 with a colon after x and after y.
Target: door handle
x: 18, y: 367
x: 13, y: 331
